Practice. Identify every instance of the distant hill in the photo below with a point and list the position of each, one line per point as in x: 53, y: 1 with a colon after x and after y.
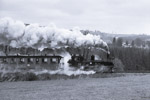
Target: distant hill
x: 108, y: 37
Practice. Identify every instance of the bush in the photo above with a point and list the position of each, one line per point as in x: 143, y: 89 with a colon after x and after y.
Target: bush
x: 118, y: 65
x: 29, y: 76
x: 18, y: 76
x: 44, y: 76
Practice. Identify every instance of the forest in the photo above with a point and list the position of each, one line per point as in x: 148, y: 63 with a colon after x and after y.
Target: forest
x: 135, y: 56
x: 134, y: 59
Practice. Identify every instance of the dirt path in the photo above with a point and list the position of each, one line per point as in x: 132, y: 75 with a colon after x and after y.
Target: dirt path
x: 130, y: 87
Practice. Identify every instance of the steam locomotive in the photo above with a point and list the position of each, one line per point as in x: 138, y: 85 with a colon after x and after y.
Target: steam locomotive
x: 98, y: 65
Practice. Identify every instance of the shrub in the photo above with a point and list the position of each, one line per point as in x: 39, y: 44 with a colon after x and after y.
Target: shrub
x: 44, y: 76
x: 29, y: 76
x: 118, y: 65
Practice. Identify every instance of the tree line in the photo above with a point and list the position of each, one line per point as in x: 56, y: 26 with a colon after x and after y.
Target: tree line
x: 133, y: 58
x: 137, y: 42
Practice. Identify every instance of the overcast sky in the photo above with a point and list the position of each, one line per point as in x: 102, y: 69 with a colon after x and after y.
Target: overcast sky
x: 113, y: 16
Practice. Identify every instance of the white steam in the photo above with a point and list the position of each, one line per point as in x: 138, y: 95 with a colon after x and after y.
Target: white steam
x: 16, y: 34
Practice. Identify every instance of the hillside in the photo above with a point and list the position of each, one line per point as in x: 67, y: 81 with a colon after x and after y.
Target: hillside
x: 108, y: 37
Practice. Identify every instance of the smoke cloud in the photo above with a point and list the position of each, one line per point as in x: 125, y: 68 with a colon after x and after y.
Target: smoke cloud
x: 17, y: 34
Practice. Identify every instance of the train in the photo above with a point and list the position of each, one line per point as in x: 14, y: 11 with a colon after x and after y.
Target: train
x: 54, y: 61
x: 85, y: 60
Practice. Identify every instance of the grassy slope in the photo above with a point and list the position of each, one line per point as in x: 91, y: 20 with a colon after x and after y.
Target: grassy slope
x: 129, y: 87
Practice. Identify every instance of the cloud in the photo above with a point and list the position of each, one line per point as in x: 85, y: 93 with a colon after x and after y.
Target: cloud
x: 118, y: 16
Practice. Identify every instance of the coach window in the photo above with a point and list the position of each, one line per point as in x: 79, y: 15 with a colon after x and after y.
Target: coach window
x: 54, y: 60
x: 30, y: 60
x: 37, y: 60
x: 12, y: 60
x: 45, y: 60
x: 4, y: 60
x: 22, y: 60
x: 42, y: 60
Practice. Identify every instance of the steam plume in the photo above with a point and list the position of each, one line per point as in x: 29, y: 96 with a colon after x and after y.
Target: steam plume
x: 17, y: 34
